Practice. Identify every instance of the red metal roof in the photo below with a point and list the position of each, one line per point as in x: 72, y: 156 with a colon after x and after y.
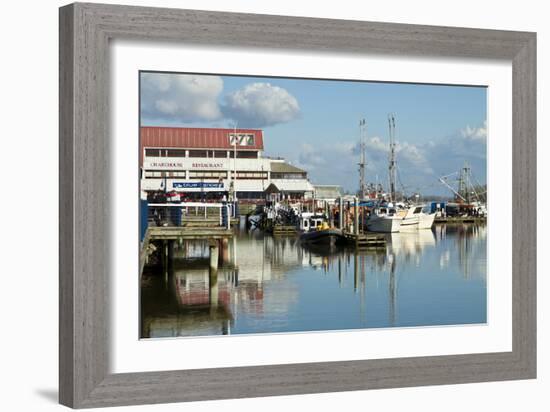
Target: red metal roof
x: 195, y: 138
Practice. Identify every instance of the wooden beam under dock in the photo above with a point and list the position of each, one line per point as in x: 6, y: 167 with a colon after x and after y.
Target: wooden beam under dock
x: 365, y: 240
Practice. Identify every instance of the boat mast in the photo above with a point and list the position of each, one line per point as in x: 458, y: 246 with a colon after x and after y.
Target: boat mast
x: 392, y: 163
x: 464, y: 182
x: 362, y: 156
x: 443, y: 180
x: 467, y: 190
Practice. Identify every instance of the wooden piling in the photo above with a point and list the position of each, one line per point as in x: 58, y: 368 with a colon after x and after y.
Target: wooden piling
x: 356, y: 216
x: 341, y: 214
x: 214, y: 255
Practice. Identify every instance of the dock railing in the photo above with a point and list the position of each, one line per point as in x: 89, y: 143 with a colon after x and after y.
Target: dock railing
x: 190, y: 213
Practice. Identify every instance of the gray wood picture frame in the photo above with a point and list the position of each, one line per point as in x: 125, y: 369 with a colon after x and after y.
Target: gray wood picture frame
x: 85, y: 32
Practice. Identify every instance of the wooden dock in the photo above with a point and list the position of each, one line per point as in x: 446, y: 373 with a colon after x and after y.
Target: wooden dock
x: 460, y: 220
x: 188, y: 233
x: 282, y: 230
x: 365, y: 240
x: 166, y: 236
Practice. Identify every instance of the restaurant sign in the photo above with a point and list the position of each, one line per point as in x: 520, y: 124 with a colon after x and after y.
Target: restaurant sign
x: 185, y: 164
x: 197, y: 185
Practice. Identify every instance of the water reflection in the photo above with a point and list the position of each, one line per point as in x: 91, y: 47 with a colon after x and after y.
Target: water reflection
x: 266, y: 284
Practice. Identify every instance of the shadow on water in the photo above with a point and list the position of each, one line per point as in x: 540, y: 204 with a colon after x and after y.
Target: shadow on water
x: 266, y: 284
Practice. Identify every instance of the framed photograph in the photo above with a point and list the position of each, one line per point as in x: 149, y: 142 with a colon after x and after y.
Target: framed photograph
x: 256, y: 205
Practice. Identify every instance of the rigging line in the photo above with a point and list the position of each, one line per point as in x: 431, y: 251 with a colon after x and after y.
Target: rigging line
x: 399, y: 179
x: 479, y: 185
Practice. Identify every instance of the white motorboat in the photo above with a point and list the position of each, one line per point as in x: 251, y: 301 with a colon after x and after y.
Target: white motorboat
x: 415, y: 218
x: 310, y: 221
x: 384, y: 220
x: 426, y: 220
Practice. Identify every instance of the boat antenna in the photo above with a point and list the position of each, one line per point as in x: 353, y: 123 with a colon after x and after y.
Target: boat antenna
x: 362, y: 156
x: 392, y: 162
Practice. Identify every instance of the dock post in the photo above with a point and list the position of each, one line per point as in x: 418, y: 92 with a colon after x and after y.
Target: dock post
x: 356, y: 215
x: 224, y: 250
x: 341, y: 214
x: 170, y: 256
x: 228, y: 217
x: 213, y: 275
x: 235, y: 252
x: 355, y: 272
x: 213, y: 288
x: 165, y: 257
x: 214, y: 255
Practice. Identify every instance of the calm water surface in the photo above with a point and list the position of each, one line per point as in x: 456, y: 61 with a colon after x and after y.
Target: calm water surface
x: 430, y: 277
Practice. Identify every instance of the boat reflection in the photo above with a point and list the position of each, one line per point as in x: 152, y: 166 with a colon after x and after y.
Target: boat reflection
x: 278, y: 285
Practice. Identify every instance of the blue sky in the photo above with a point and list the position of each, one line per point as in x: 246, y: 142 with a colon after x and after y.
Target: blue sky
x: 315, y: 123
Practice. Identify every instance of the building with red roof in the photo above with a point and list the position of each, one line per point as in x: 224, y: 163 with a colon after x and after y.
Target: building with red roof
x: 204, y: 163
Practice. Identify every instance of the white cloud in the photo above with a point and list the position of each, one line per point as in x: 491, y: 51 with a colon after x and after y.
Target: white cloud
x: 475, y: 133
x: 419, y: 164
x: 344, y: 148
x: 468, y: 144
x: 310, y: 157
x: 260, y: 105
x: 180, y: 97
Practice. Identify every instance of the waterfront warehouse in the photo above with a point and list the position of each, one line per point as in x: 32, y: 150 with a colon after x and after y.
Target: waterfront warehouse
x: 206, y: 163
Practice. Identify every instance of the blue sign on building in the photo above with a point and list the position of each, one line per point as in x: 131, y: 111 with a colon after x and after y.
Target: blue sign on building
x: 197, y: 185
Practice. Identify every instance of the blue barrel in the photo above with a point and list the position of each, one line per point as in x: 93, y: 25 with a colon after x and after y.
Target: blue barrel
x: 175, y: 216
x: 224, y: 214
x: 143, y: 213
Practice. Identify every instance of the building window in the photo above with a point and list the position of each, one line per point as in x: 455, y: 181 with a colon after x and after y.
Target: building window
x: 247, y: 155
x: 220, y: 153
x: 175, y: 153
x: 163, y: 173
x: 154, y: 173
x: 207, y: 175
x: 243, y: 154
x: 275, y: 175
x: 197, y: 153
x: 153, y: 152
x: 250, y: 175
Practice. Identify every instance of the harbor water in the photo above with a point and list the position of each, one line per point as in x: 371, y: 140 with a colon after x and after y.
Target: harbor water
x: 266, y: 284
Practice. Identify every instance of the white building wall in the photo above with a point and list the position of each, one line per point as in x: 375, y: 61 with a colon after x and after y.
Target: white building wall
x: 186, y: 165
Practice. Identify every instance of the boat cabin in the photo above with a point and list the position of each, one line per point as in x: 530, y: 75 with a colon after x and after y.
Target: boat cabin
x: 386, y: 211
x: 309, y: 221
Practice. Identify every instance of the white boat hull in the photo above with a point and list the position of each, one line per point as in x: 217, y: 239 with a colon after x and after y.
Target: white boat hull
x: 416, y: 219
x: 409, y: 224
x: 384, y: 224
x: 426, y: 221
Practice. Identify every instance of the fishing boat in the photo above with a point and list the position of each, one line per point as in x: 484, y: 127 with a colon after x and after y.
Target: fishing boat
x: 426, y: 220
x: 415, y: 218
x: 309, y: 221
x: 315, y: 229
x: 384, y: 220
x: 327, y: 236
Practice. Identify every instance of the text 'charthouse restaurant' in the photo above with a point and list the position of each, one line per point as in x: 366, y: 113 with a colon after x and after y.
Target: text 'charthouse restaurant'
x: 206, y: 163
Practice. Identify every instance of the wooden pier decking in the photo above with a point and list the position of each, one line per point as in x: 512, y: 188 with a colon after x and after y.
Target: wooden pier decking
x: 365, y: 240
x: 188, y: 233
x: 284, y: 230
x: 460, y: 219
x: 169, y: 234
